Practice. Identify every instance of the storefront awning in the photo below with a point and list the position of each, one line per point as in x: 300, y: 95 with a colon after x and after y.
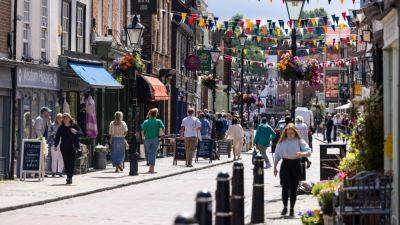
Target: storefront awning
x: 151, y: 88
x: 95, y: 75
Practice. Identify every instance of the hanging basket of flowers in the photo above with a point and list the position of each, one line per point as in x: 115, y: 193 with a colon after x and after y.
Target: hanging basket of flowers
x: 236, y: 99
x: 209, y: 81
x: 312, y: 72
x: 290, y: 67
x: 249, y: 98
x: 128, y: 63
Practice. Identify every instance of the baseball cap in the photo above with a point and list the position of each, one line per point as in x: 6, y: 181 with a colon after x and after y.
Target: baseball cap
x: 45, y: 109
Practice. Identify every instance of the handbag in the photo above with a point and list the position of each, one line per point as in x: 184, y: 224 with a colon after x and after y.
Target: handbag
x: 78, y: 151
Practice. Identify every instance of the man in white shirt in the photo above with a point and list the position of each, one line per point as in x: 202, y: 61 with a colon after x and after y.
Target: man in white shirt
x: 190, y: 130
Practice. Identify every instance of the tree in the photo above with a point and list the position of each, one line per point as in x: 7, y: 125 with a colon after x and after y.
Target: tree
x: 318, y: 12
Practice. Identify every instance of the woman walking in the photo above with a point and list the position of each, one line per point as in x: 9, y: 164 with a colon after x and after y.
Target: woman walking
x: 150, y: 131
x: 68, y: 134
x: 236, y: 133
x: 57, y: 163
x: 291, y: 148
x: 117, y: 131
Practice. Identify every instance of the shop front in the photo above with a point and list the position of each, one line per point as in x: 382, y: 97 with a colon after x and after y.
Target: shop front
x: 5, y: 122
x: 91, y: 95
x: 37, y: 86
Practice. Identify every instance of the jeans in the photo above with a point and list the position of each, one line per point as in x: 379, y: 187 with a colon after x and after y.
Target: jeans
x: 151, y: 146
x: 263, y: 151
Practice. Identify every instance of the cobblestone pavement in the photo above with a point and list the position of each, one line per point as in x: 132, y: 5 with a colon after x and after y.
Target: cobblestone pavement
x: 157, y: 202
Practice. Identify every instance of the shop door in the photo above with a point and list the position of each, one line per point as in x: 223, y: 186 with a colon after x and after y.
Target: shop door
x: 5, y: 130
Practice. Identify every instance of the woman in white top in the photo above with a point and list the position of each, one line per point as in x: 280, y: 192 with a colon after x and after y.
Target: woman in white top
x: 235, y: 132
x: 291, y: 148
x: 117, y: 132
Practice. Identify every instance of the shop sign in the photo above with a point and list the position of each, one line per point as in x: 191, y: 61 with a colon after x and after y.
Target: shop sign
x: 357, y: 89
x: 37, y: 78
x: 144, y: 7
x: 205, y: 60
x: 192, y: 63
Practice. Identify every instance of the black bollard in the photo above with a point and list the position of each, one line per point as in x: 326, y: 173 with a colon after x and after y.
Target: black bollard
x: 134, y: 156
x: 257, y: 211
x: 237, y: 199
x: 204, y: 208
x: 184, y: 219
x: 223, y: 214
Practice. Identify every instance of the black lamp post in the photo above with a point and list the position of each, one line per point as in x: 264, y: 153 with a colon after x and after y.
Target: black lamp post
x: 294, y: 9
x: 242, y: 39
x: 215, y: 54
x: 134, y: 34
x: 248, y: 105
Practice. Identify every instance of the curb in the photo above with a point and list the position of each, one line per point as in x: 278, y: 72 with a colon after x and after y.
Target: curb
x: 42, y: 202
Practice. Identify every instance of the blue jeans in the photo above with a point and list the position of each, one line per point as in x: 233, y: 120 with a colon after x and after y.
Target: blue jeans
x: 151, y: 146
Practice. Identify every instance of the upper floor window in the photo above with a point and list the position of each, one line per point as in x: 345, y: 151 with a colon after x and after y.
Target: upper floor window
x: 110, y: 14
x: 26, y: 33
x: 80, y: 28
x: 43, y: 33
x: 66, y: 25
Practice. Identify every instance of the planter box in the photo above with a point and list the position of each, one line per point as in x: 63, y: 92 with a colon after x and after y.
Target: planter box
x: 100, y: 160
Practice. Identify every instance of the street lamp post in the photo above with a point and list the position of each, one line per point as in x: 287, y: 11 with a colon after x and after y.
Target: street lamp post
x: 294, y: 8
x: 242, y: 39
x: 134, y: 34
x: 215, y: 54
x: 248, y: 106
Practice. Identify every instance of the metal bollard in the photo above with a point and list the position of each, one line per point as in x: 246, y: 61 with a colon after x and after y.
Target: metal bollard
x: 184, y: 219
x: 134, y: 156
x: 204, y: 208
x: 257, y: 211
x: 223, y: 214
x: 237, y: 199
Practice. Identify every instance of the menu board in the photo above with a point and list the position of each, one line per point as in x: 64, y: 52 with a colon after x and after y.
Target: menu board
x: 31, y: 155
x: 32, y: 159
x: 204, y: 149
x: 180, y: 153
x: 225, y: 147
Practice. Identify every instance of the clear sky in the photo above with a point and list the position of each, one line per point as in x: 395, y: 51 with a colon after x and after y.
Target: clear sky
x: 264, y: 9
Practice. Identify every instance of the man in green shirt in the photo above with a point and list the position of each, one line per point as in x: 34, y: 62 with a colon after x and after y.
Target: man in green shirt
x: 264, y: 135
x: 150, y: 131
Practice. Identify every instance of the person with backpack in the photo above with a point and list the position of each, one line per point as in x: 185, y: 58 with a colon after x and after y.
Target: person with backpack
x: 220, y: 127
x: 205, y: 130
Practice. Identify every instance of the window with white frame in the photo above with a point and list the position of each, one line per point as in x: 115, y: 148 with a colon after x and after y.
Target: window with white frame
x: 110, y: 14
x: 26, y: 37
x: 43, y: 33
x: 99, y: 24
x: 66, y: 28
x: 80, y: 28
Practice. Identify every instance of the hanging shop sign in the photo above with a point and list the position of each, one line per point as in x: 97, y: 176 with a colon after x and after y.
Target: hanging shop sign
x: 192, y: 63
x: 37, y: 78
x: 144, y: 7
x: 205, y: 60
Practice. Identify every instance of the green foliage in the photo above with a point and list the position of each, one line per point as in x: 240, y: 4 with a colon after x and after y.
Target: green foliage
x: 323, y: 185
x: 351, y: 164
x: 318, y: 12
x: 312, y: 218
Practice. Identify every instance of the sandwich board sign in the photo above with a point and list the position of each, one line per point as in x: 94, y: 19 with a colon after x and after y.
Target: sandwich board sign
x: 32, y: 158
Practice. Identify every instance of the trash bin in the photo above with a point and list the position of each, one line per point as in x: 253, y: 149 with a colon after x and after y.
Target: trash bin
x: 100, y: 157
x: 330, y: 156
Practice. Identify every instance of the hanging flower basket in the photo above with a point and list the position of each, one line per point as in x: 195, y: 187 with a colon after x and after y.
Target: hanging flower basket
x: 236, y: 99
x: 209, y: 82
x: 312, y: 72
x: 128, y: 63
x: 290, y: 67
x: 249, y: 98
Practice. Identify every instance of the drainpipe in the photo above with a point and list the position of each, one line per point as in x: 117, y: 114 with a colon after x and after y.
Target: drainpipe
x: 14, y: 97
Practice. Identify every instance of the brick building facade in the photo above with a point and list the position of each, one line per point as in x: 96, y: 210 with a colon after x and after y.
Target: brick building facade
x: 5, y: 27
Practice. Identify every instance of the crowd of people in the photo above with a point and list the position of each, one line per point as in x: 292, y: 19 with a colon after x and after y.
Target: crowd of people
x: 335, y: 125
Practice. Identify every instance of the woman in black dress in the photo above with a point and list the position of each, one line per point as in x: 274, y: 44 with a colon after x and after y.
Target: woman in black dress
x: 68, y: 134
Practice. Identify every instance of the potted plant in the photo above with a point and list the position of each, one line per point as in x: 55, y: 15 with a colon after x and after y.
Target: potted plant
x: 312, y: 72
x: 100, y: 157
x: 311, y: 217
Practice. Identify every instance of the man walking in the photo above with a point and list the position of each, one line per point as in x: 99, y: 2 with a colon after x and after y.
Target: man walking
x: 190, y: 130
x: 220, y: 127
x: 262, y: 140
x: 42, y: 122
x: 329, y: 128
x: 205, y: 126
